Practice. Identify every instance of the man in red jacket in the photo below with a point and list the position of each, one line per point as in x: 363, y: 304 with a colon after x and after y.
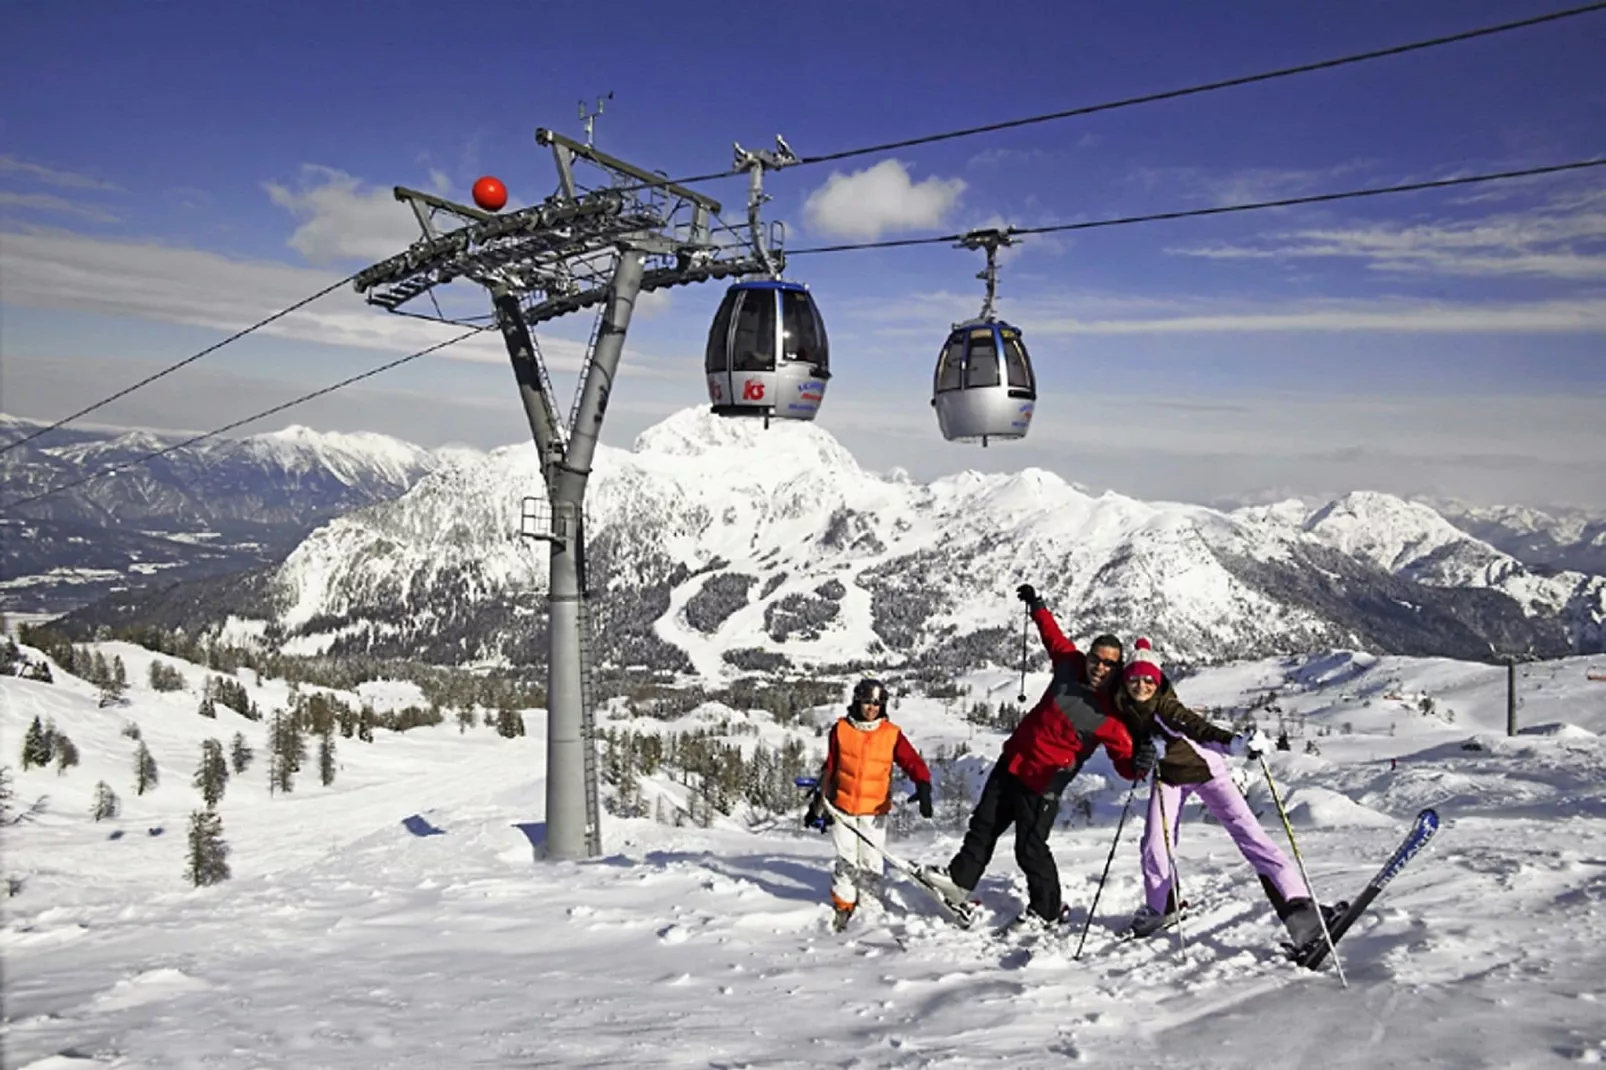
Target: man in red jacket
x: 1046, y: 751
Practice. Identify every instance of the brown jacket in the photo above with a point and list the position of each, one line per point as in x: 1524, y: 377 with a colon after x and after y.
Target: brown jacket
x: 1180, y: 764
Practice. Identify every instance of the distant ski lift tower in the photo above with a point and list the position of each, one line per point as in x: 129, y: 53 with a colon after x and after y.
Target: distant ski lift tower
x: 579, y: 248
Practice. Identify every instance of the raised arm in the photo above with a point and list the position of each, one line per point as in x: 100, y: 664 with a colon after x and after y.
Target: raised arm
x: 1059, y: 648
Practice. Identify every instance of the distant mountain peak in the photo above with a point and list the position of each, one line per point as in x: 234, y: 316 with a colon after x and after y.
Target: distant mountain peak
x: 699, y: 432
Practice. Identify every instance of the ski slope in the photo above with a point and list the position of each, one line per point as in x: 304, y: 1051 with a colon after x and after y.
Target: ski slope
x: 399, y: 918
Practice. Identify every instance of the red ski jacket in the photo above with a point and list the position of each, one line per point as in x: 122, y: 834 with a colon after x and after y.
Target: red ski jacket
x: 1068, y: 723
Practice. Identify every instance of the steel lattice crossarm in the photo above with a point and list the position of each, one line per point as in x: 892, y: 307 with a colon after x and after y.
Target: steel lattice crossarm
x: 559, y: 255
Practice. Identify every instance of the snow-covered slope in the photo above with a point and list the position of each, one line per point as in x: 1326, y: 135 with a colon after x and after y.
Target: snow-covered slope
x: 399, y: 917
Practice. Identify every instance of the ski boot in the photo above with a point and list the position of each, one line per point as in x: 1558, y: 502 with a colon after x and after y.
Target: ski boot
x: 1147, y: 921
x: 840, y: 918
x: 1303, y: 924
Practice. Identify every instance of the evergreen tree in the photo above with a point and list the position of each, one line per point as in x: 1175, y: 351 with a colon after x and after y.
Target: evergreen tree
x: 281, y: 767
x: 100, y: 674
x: 208, y: 859
x: 212, y: 775
x: 119, y: 677
x: 106, y: 802
x: 240, y: 753
x: 208, y: 707
x: 66, y: 753
x: 145, y: 775
x: 365, y: 725
x: 465, y: 720
x: 8, y: 794
x: 164, y: 677
x: 326, y: 757
x: 35, y: 746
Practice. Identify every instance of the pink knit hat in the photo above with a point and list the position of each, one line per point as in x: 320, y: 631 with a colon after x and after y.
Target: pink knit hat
x: 1144, y: 663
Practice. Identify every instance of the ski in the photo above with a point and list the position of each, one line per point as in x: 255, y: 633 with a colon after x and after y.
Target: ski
x: 1314, y: 952
x: 962, y: 914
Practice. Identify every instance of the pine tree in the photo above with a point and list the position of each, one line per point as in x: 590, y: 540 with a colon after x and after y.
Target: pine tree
x: 106, y: 802
x: 281, y: 767
x: 145, y: 775
x: 208, y: 707
x: 326, y: 757
x: 212, y: 775
x: 208, y: 861
x: 240, y: 753
x: 35, y: 746
x: 119, y: 677
x: 365, y: 725
x: 66, y: 753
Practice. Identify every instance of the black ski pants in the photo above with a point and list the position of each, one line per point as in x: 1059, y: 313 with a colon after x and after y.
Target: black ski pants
x: 1006, y: 801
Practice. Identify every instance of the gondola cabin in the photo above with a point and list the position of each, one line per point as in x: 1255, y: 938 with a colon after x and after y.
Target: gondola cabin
x: 767, y: 352
x: 984, y: 386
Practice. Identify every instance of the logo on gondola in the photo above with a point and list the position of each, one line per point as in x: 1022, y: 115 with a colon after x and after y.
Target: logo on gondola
x: 753, y: 390
x: 716, y: 390
x: 812, y: 390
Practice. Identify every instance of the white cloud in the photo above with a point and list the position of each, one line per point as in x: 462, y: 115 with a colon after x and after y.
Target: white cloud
x: 1082, y: 314
x: 50, y: 176
x: 1559, y: 240
x: 880, y: 200
x: 652, y: 303
x: 145, y: 280
x: 49, y: 202
x: 342, y: 219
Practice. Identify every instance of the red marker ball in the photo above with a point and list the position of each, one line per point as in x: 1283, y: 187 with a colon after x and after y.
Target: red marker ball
x: 490, y: 194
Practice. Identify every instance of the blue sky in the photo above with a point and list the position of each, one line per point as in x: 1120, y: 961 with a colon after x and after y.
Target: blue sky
x: 180, y: 169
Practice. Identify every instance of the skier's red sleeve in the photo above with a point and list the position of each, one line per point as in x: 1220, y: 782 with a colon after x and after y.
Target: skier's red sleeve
x: 1059, y: 648
x: 909, y: 760
x: 1118, y: 741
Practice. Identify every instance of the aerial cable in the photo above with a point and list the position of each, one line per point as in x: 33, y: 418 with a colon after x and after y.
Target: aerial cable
x: 170, y: 369
x: 1286, y: 202
x: 1008, y: 124
x: 1227, y: 209
x: 154, y: 454
x: 1168, y: 94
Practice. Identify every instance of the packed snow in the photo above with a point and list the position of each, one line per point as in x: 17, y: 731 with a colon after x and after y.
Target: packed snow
x: 402, y: 918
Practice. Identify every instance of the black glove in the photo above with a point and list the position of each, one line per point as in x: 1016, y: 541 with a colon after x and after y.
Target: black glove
x: 1028, y: 594
x: 1143, y: 756
x: 816, y: 817
x: 922, y: 795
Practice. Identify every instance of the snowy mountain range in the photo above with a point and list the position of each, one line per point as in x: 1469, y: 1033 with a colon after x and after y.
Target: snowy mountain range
x: 219, y: 506
x: 718, y: 545
x: 1558, y: 539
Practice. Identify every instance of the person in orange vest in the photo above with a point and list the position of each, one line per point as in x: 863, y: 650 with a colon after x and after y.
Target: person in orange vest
x: 857, y: 779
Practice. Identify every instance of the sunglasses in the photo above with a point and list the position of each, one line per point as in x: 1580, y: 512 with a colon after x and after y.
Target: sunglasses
x: 1141, y: 682
x: 1108, y: 663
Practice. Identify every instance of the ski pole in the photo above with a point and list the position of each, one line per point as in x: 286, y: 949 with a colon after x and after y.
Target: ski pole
x: 1277, y: 800
x: 1171, y: 860
x: 1026, y: 620
x: 896, y: 862
x: 1105, y: 875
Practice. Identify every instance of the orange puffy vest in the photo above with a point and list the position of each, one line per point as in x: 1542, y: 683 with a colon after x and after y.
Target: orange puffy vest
x: 864, y: 766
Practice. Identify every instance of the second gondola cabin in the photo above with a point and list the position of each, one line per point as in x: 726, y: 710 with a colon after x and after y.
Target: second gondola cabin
x: 767, y: 352
x: 984, y: 387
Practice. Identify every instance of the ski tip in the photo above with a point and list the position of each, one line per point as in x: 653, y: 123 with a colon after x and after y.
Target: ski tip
x: 1428, y: 818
